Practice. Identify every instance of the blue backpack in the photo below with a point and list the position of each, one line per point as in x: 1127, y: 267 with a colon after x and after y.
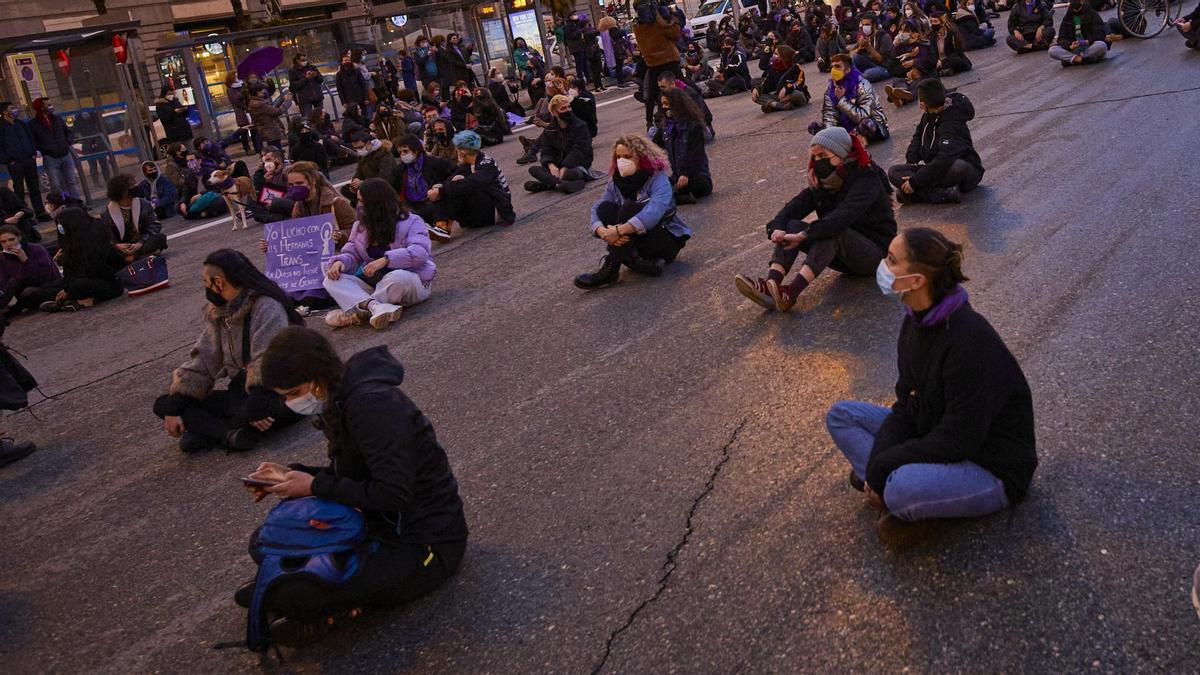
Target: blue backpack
x: 301, y: 536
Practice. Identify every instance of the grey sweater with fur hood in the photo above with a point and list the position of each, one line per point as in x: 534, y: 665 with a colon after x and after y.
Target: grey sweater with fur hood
x: 218, y: 351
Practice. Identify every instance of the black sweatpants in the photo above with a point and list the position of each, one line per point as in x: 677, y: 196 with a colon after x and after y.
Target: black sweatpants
x: 431, y: 212
x: 699, y: 186
x: 657, y: 242
x: 733, y: 85
x: 849, y: 253
x: 481, y: 210
x: 650, y: 86
x: 226, y: 410
x: 961, y: 175
x: 80, y: 288
x: 393, y: 574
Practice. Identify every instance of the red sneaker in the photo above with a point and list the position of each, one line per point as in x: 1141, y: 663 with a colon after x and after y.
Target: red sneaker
x: 755, y: 290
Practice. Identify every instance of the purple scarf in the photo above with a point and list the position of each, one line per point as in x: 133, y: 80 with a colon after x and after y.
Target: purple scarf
x: 850, y: 83
x: 610, y: 61
x: 956, y: 298
x: 416, y: 188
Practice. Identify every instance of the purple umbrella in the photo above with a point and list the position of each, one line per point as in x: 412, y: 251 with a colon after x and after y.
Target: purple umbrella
x: 260, y: 62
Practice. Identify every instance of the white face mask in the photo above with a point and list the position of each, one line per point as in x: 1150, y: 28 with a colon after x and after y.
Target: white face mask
x: 866, y: 30
x: 269, y: 167
x: 407, y: 157
x: 307, y: 404
x: 626, y: 167
x: 363, y: 152
x: 908, y: 12
x: 885, y: 278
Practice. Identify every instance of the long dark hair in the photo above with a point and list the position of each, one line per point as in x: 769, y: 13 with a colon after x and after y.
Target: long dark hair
x: 85, y: 242
x: 299, y: 355
x: 937, y: 257
x: 242, y: 273
x: 683, y: 108
x: 381, y: 208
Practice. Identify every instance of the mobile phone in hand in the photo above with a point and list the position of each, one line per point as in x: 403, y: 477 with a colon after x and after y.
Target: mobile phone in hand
x: 255, y: 482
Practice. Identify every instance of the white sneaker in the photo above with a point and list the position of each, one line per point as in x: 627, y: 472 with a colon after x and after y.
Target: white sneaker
x: 437, y: 233
x: 383, y: 314
x: 340, y: 319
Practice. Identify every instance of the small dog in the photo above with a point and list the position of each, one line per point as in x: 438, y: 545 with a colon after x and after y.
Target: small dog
x: 237, y: 193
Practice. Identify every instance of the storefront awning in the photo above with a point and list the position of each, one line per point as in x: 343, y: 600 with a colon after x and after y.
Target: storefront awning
x: 287, y: 29
x: 67, y: 37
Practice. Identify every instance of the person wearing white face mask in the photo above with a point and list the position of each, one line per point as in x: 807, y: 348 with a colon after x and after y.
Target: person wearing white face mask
x: 636, y: 215
x: 375, y: 160
x: 414, y: 175
x: 959, y: 440
x: 385, y: 461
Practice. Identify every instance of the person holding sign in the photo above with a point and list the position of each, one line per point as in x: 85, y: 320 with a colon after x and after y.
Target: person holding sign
x: 385, y: 266
x: 312, y: 195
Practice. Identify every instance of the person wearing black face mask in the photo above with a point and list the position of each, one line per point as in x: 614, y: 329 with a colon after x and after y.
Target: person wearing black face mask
x: 733, y: 75
x: 941, y: 158
x: 307, y: 84
x: 243, y: 312
x: 566, y: 156
x: 1080, y: 36
x: 854, y: 225
x: 157, y: 190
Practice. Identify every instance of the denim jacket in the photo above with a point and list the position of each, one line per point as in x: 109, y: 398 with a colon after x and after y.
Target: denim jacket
x: 659, y: 201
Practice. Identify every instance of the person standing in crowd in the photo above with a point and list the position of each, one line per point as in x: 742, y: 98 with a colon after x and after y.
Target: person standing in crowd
x: 24, y: 269
x: 408, y: 70
x: 306, y: 84
x: 959, y: 440
x: 612, y: 42
x: 19, y: 154
x: 351, y: 85
x: 682, y: 136
x: 386, y: 264
x: 239, y: 100
x: 426, y: 58
x: 89, y: 263
x: 53, y: 139
x: 87, y: 130
x: 244, y: 312
x: 657, y: 44
x: 158, y: 190
x: 268, y: 117
x: 853, y: 202
x: 375, y: 160
x: 477, y: 193
x: 733, y: 75
x: 850, y: 103
x: 573, y: 32
x: 941, y: 159
x: 312, y: 195
x: 385, y: 461
x: 566, y: 152
x: 782, y: 88
x: 1030, y: 27
x: 414, y: 175
x: 454, y: 62
x: 635, y: 217
x: 174, y: 116
x: 1189, y: 27
x: 1080, y: 36
x: 131, y: 221
x: 873, y: 50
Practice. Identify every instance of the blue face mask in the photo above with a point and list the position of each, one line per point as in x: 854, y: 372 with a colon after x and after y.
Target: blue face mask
x: 885, y: 278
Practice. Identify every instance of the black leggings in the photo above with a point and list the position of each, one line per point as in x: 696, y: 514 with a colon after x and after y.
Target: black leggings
x: 849, y: 253
x: 80, y: 288
x: 657, y: 242
x: 391, y: 575
x: 227, y: 410
x: 961, y: 175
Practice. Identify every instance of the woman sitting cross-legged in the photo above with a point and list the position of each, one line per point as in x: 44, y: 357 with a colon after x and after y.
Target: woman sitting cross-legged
x: 89, y: 263
x: 852, y: 198
x: 682, y: 136
x: 636, y: 214
x: 959, y: 440
x: 244, y: 312
x: 385, y: 266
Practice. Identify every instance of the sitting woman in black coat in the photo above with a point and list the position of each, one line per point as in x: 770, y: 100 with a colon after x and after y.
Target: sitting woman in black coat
x: 952, y: 59
x: 416, y: 172
x: 682, y: 136
x: 385, y: 460
x: 959, y: 440
x: 89, y: 262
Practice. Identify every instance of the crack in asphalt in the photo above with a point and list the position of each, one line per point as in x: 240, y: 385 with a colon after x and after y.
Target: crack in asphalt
x: 670, y: 565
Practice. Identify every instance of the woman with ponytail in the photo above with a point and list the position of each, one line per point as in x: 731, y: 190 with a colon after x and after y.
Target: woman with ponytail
x: 852, y: 199
x: 959, y: 440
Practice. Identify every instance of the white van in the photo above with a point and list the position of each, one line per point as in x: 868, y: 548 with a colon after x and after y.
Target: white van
x: 720, y: 11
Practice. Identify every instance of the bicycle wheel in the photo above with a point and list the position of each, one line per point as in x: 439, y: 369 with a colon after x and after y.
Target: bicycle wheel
x: 1144, y: 18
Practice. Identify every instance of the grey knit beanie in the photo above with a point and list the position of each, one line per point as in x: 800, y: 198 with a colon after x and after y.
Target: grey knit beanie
x: 834, y: 139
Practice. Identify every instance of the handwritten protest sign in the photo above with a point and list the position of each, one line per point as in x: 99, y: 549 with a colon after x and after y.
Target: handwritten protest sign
x: 298, y: 251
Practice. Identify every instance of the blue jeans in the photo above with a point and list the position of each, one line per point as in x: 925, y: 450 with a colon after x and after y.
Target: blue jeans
x: 63, y: 175
x: 871, y: 71
x: 914, y: 491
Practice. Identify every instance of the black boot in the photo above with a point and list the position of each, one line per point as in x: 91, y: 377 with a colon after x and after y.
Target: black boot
x: 948, y: 195
x: 609, y: 272
x: 651, y: 268
x: 684, y: 197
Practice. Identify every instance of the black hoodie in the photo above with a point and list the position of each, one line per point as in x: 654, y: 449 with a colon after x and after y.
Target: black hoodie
x: 1090, y: 24
x: 940, y: 139
x: 386, y: 460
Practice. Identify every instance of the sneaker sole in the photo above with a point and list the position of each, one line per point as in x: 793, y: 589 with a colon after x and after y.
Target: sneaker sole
x: 382, y: 321
x: 777, y: 295
x: 438, y: 235
x: 748, y: 289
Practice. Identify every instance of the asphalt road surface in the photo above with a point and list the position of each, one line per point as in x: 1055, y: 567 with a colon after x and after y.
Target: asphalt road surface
x: 646, y: 473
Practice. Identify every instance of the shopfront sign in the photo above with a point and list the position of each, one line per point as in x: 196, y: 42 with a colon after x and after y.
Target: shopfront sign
x: 525, y: 25
x: 26, y: 75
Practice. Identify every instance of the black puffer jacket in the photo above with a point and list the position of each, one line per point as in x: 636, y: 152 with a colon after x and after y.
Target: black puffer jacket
x: 864, y: 204
x: 940, y: 139
x: 386, y: 460
x: 961, y: 396
x: 567, y: 148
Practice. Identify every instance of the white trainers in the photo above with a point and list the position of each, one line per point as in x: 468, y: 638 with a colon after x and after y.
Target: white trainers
x: 383, y: 314
x: 337, y: 318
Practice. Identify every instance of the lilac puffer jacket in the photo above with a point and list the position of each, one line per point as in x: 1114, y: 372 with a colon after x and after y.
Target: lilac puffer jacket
x: 410, y: 249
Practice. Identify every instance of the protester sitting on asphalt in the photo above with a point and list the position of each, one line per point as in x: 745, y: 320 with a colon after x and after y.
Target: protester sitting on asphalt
x: 89, y: 264
x: 850, y: 103
x: 1189, y: 27
x: 974, y: 35
x: 682, y: 136
x: 733, y: 75
x: 852, y: 199
x: 872, y: 52
x: 941, y: 159
x: 965, y: 448
x: 24, y: 268
x: 386, y: 264
x: 306, y: 145
x: 829, y: 44
x: 542, y: 118
x: 490, y: 121
x: 583, y: 104
x: 212, y: 158
x: 183, y: 170
x: 477, y: 193
x: 801, y: 42
x: 948, y: 44
x: 439, y: 140
x: 566, y: 154
x: 917, y: 59
x: 1030, y: 26
x: 158, y: 190
x: 782, y: 87
x: 667, y: 80
x: 268, y: 117
x: 53, y: 139
x: 245, y: 310
x: 135, y: 229
x: 635, y: 217
x: 312, y: 195
x: 414, y: 175
x: 1080, y: 36
x: 386, y: 462
x: 460, y: 106
x: 375, y: 160
x: 13, y: 211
